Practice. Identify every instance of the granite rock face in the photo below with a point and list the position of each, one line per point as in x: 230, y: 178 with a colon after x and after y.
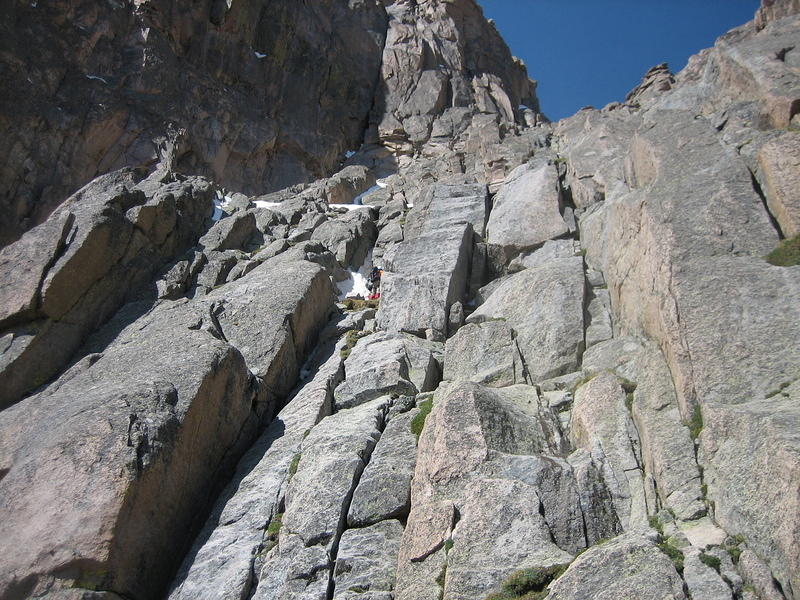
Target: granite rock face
x: 105, y: 94
x: 580, y: 378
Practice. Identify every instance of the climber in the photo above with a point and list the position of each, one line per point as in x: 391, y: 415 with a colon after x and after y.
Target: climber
x: 374, y: 283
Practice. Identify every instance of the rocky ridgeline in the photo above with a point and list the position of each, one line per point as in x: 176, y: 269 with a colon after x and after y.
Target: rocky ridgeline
x: 582, y: 379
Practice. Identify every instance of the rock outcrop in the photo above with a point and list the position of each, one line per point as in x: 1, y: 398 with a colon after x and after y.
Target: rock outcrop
x: 578, y: 376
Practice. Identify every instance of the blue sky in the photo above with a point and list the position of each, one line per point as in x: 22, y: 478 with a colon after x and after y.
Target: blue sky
x: 592, y: 52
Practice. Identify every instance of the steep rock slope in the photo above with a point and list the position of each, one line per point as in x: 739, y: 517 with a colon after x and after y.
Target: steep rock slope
x: 581, y: 379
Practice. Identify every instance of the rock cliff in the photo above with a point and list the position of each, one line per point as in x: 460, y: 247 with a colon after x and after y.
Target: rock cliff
x: 581, y: 379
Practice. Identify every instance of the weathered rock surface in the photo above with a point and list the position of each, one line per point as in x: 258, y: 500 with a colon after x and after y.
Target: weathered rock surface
x: 222, y: 559
x: 145, y: 433
x: 485, y: 353
x: 610, y: 271
x: 627, y: 566
x: 366, y: 561
x: 74, y: 271
x: 703, y: 581
x: 384, y: 490
x: 349, y: 238
x: 423, y: 280
x: 386, y: 363
x: 780, y: 163
x: 526, y: 211
x: 751, y: 461
x: 667, y: 449
x: 103, y: 95
x: 544, y: 305
x: 332, y: 458
x: 602, y: 425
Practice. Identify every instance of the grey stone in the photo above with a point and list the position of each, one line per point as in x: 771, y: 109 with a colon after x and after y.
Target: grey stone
x: 618, y: 355
x: 757, y: 574
x: 551, y: 249
x: 779, y: 161
x: 599, y: 328
x: 333, y: 456
x: 348, y: 237
x: 423, y: 280
x: 595, y: 144
x: 120, y: 442
x: 667, y: 448
x: 500, y: 531
x: 384, y: 490
x: 366, y: 560
x: 68, y: 276
x: 746, y: 449
x: 602, y: 425
x: 378, y: 365
x: 702, y: 581
x: 273, y: 339
x: 628, y: 566
x: 222, y: 558
x: 484, y: 353
x: 230, y: 233
x: 216, y: 267
x: 544, y: 305
x: 597, y: 504
x: 445, y: 206
x: 526, y: 211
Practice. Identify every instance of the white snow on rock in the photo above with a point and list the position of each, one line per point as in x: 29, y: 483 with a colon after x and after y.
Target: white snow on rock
x: 348, y: 206
x: 265, y: 204
x: 349, y: 153
x: 358, y: 199
x: 259, y: 55
x: 97, y: 78
x: 356, y: 282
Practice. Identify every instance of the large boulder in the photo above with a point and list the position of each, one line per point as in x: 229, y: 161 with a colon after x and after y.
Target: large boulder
x: 138, y: 433
x: 443, y: 206
x: 667, y: 449
x: 385, y: 363
x: 526, y: 211
x: 751, y: 459
x: 478, y: 460
x: 112, y: 488
x: 628, y: 566
x: 423, y: 279
x: 366, y: 562
x: 780, y: 169
x: 223, y: 556
x: 332, y: 458
x: 602, y: 425
x: 349, y: 237
x: 384, y: 490
x: 544, y: 305
x: 485, y: 353
x: 74, y: 271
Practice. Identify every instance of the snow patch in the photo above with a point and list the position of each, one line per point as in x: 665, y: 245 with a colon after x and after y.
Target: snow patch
x: 356, y: 282
x: 358, y: 199
x: 381, y: 184
x: 97, y: 78
x: 349, y: 153
x: 259, y: 56
x: 348, y: 206
x: 265, y: 204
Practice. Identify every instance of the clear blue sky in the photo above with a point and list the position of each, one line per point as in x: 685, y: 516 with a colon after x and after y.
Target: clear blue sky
x: 592, y: 52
